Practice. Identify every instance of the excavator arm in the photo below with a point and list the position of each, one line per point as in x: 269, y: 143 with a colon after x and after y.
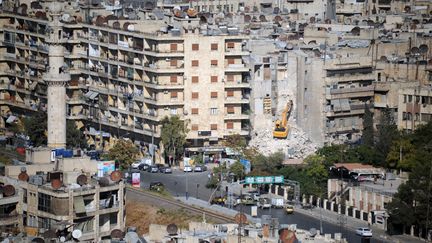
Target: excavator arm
x: 281, y: 126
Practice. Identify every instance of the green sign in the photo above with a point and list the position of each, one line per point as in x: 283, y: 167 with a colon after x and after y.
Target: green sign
x: 263, y: 179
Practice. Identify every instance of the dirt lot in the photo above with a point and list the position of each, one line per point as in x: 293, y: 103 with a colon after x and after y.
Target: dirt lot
x: 141, y: 215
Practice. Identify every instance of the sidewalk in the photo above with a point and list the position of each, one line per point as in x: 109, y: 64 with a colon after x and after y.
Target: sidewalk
x: 353, y: 223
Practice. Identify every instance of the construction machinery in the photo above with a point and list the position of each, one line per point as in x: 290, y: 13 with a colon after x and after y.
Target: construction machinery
x: 281, y: 126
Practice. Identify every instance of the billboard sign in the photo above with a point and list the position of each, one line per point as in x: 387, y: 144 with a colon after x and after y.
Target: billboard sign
x: 264, y: 180
x: 136, y: 179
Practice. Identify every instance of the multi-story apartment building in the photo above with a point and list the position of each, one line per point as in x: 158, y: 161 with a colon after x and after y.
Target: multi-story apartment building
x: 415, y: 107
x: 60, y: 196
x: 126, y: 77
x: 349, y: 91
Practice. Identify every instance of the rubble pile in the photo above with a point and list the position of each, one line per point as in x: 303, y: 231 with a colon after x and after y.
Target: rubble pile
x: 296, y: 146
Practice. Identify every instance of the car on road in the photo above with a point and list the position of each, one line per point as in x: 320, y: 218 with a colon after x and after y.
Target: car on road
x: 289, y: 209
x: 156, y: 186
x: 143, y: 167
x: 246, y: 200
x: 200, y: 168
x: 307, y: 206
x: 364, y: 232
x: 218, y: 200
x: 165, y: 169
x: 153, y: 169
x: 187, y: 168
x: 264, y: 203
x: 136, y: 164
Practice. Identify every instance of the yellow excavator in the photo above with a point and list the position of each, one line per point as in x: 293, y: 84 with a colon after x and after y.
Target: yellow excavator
x: 281, y: 126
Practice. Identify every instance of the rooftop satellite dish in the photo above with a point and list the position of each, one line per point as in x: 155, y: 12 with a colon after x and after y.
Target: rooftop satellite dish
x: 56, y: 183
x: 312, y: 232
x: 38, y: 240
x: 240, y: 218
x: 116, y: 234
x: 62, y: 239
x: 423, y: 49
x: 76, y: 234
x: 172, y: 229
x: 82, y: 180
x: 116, y: 176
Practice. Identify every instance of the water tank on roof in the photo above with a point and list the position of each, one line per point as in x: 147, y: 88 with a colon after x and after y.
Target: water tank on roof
x: 36, y: 180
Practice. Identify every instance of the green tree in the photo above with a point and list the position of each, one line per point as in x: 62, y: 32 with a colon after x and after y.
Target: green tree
x: 401, y: 154
x: 125, y: 152
x: 236, y: 142
x: 410, y: 205
x: 173, y: 136
x: 368, y: 130
x: 237, y: 169
x: 267, y: 165
x: 75, y: 138
x: 387, y: 133
x: 318, y: 174
x: 35, y: 126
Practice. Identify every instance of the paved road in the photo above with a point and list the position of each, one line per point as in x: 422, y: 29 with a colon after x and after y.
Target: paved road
x: 176, y: 182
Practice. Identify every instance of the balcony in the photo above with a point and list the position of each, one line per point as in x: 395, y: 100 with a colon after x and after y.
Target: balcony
x: 165, y: 53
x: 350, y: 92
x: 237, y: 117
x: 236, y: 68
x: 237, y: 84
x: 236, y: 52
x: 236, y: 100
x: 162, y: 68
x: 350, y: 78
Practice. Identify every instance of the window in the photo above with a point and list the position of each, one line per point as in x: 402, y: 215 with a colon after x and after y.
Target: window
x: 230, y: 45
x: 44, y: 202
x: 173, y: 79
x: 409, y: 98
x: 174, y: 94
x: 405, y: 99
x: 230, y: 78
x: 417, y: 99
x: 195, y: 63
x: 195, y: 79
x: 214, y: 79
x: 173, y: 63
x: 230, y: 125
x: 213, y: 95
x: 194, y: 127
x: 213, y: 127
x: 194, y: 111
x: 195, y: 47
x: 230, y: 93
x: 231, y: 61
x: 24, y: 195
x: 173, y: 47
x: 213, y: 111
x: 214, y: 47
x: 213, y: 63
x: 230, y: 109
x: 195, y: 95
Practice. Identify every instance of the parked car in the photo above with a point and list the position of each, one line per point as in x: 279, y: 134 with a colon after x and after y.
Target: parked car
x: 153, y: 169
x: 307, y: 206
x: 364, y: 232
x: 289, y: 209
x: 255, y: 195
x: 143, y: 167
x: 200, y: 168
x: 187, y: 168
x: 218, y: 200
x: 264, y: 203
x: 247, y: 200
x: 156, y: 186
x: 166, y: 170
x: 136, y: 164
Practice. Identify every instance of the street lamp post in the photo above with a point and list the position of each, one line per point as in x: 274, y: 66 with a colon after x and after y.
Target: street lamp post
x: 187, y: 188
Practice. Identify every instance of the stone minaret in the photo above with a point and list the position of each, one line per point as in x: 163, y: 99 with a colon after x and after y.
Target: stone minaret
x: 56, y: 78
